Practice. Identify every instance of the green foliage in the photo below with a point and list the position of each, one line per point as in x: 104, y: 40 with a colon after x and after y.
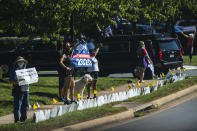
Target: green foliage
x: 53, y: 17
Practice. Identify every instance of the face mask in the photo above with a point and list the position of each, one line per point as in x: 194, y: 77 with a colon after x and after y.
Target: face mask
x: 21, y: 64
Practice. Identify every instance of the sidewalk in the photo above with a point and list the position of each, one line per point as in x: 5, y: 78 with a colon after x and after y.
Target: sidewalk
x: 10, y: 118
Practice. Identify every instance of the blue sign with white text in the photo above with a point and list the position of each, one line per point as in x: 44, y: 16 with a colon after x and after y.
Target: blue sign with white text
x: 81, y: 56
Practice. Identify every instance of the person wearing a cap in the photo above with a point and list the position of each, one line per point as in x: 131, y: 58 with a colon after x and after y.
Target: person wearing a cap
x: 190, y: 44
x: 143, y: 58
x: 20, y: 93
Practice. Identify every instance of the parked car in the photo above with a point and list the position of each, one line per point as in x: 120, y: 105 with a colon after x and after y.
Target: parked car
x: 41, y: 55
x: 119, y: 54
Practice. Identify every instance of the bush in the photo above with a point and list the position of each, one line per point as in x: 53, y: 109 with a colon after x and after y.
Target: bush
x: 9, y: 43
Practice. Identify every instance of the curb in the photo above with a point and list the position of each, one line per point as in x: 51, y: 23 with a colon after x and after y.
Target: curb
x: 100, y: 121
x: 128, y: 114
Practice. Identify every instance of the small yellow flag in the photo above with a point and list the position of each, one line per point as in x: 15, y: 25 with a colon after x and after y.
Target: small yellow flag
x: 54, y: 101
x: 95, y: 92
x: 145, y: 83
x: 149, y: 85
x: 169, y: 70
x: 157, y: 77
x: 184, y: 70
x: 35, y: 107
x: 163, y: 75
x: 153, y: 84
x: 138, y: 83
x: 129, y: 86
x: 78, y: 96
x: 180, y: 70
x: 112, y: 88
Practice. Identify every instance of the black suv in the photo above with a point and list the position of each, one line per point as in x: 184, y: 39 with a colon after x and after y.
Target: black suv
x: 41, y: 55
x: 119, y: 53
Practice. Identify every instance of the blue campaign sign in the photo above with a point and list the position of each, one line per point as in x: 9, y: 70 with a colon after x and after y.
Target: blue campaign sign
x: 81, y: 57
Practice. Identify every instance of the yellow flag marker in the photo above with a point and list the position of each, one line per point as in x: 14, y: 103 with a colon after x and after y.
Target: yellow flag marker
x: 149, y: 85
x: 180, y: 70
x: 145, y: 83
x: 78, y: 96
x: 35, y: 107
x: 112, y: 88
x: 184, y: 70
x: 54, y: 101
x: 169, y: 70
x: 95, y: 92
x: 129, y: 86
x: 157, y: 77
x: 163, y: 75
x: 138, y: 83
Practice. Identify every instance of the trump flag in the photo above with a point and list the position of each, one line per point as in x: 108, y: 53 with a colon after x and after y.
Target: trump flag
x: 81, y: 57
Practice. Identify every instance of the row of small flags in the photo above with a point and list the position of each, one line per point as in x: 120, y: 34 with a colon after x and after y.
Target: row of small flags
x: 130, y: 86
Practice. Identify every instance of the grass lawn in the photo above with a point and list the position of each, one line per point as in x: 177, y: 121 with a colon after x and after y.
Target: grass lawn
x: 92, y: 113
x: 46, y: 89
x: 186, y: 60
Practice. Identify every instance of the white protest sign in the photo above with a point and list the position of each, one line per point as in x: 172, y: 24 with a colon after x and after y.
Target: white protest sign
x: 27, y: 76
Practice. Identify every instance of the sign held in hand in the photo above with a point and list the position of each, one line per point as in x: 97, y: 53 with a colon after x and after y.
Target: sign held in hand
x: 27, y: 76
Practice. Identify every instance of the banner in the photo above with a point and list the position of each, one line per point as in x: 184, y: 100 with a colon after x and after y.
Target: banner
x: 189, y: 29
x: 81, y: 57
x: 27, y: 76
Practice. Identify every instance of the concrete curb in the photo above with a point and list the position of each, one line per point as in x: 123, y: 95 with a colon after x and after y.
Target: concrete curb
x: 99, y: 121
x: 128, y: 114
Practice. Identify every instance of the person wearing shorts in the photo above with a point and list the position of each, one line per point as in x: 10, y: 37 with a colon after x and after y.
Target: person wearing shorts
x: 93, y: 71
x: 143, y: 58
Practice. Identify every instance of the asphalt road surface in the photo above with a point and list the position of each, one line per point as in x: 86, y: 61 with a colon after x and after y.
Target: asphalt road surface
x: 179, y: 118
x: 191, y: 70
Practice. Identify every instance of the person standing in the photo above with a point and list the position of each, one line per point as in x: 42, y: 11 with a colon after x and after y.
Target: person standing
x: 20, y: 93
x: 143, y: 58
x: 59, y: 69
x: 93, y: 71
x: 190, y: 44
x: 68, y: 73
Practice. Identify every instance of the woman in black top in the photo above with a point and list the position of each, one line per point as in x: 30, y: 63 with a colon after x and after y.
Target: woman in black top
x: 68, y: 72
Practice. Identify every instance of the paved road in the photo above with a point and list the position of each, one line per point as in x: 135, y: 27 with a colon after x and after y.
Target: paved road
x: 179, y: 118
x: 191, y: 70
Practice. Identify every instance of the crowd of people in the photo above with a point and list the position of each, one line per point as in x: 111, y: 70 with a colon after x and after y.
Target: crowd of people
x: 67, y: 73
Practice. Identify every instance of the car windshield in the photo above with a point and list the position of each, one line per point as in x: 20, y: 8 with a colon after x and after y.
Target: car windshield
x: 144, y: 29
x: 168, y: 45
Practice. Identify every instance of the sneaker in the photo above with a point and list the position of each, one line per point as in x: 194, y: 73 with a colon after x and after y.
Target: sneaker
x: 67, y: 102
x: 94, y: 97
x: 89, y: 97
x: 141, y: 81
x: 73, y: 102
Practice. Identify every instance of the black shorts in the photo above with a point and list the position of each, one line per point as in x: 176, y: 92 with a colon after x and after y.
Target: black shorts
x: 94, y: 75
x: 68, y: 73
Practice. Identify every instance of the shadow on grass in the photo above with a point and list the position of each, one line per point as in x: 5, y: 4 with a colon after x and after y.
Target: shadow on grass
x: 4, y: 81
x: 44, y: 94
x: 50, y: 86
x: 6, y: 86
x: 6, y: 103
x: 39, y: 101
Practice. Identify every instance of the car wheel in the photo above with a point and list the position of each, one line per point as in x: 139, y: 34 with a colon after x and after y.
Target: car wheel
x: 5, y: 68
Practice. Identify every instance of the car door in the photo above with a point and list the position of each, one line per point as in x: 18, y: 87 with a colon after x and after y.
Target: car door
x: 43, y: 56
x: 114, y: 56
